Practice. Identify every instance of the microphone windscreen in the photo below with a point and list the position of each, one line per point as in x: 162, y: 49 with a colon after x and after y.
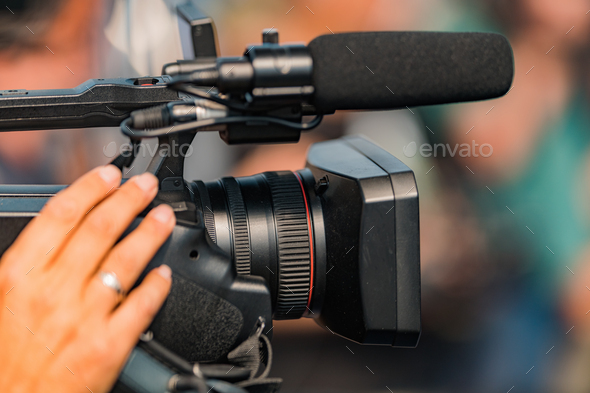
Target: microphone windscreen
x: 390, y: 70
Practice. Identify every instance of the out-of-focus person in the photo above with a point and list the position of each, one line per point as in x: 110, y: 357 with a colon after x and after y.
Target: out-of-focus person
x: 528, y: 199
x: 46, y: 45
x: 60, y: 44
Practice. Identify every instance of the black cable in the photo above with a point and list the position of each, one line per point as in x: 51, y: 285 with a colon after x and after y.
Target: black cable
x: 183, y: 85
x: 161, y: 352
x: 196, y: 125
x: 186, y: 382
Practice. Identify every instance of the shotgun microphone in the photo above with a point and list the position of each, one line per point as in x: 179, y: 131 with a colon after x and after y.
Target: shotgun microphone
x: 373, y: 70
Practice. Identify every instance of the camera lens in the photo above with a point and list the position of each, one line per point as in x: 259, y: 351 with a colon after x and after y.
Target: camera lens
x: 271, y: 225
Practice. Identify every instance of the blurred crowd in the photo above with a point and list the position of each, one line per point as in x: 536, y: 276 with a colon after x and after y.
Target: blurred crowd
x: 505, y: 239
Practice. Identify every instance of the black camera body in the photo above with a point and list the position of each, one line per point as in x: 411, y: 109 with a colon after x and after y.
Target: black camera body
x: 337, y: 241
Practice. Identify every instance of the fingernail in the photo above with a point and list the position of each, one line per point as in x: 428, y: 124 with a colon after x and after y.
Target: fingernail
x: 146, y: 181
x: 110, y: 173
x: 163, y: 214
x: 164, y: 271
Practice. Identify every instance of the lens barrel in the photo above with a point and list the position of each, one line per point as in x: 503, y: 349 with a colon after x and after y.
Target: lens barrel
x: 271, y: 225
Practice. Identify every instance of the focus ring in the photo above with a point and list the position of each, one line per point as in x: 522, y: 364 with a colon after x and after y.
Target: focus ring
x: 293, y: 237
x: 239, y: 220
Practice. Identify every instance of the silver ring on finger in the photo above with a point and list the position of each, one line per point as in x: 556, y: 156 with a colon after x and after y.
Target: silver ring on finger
x: 110, y: 280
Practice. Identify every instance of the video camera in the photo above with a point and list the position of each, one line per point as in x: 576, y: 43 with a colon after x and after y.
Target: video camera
x: 337, y: 241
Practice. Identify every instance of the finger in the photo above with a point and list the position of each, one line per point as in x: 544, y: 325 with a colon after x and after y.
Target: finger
x: 136, y: 313
x: 45, y: 235
x: 128, y: 258
x: 104, y: 225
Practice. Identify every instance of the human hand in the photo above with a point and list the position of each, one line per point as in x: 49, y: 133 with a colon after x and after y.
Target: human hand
x: 61, y: 328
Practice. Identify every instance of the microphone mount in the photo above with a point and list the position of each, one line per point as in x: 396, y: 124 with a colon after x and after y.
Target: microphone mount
x: 266, y: 73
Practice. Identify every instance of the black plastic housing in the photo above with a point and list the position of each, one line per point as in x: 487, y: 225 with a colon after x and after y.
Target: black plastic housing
x: 210, y: 309
x: 337, y: 241
x: 371, y: 220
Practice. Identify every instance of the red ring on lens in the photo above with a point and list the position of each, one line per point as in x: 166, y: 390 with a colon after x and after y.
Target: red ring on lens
x: 310, y: 231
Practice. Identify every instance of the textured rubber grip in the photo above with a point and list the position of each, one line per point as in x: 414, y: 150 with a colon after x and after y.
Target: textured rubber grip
x: 293, y: 239
x: 239, y: 219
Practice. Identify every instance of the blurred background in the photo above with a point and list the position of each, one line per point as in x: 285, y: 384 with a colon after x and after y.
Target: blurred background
x: 505, y: 238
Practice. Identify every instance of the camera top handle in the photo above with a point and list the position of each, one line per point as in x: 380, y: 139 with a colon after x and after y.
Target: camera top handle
x: 94, y: 103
